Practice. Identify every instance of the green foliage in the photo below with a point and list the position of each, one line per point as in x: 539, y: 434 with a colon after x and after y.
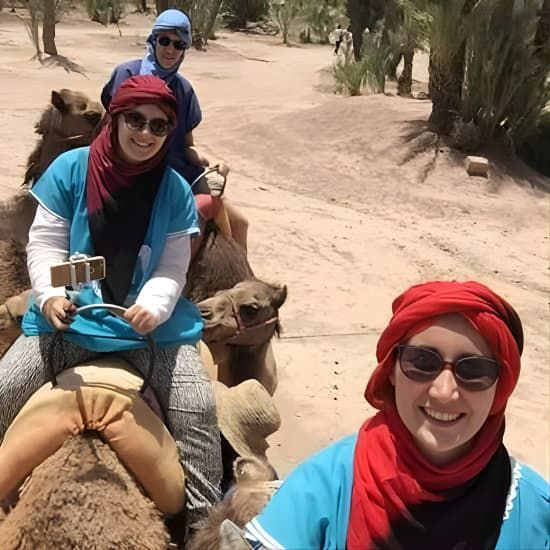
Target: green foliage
x: 536, y: 146
x: 414, y: 29
x: 448, y: 30
x: 349, y: 76
x: 203, y: 15
x: 505, y: 82
x: 284, y: 12
x: 105, y: 11
x: 322, y: 16
x: 236, y: 13
x: 375, y: 55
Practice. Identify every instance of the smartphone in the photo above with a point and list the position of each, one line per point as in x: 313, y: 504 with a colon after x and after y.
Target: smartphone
x: 78, y: 271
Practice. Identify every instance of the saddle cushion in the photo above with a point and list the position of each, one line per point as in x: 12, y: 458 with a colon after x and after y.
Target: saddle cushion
x: 103, y: 397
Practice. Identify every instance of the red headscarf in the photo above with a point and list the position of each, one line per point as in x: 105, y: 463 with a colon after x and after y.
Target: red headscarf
x: 391, y: 475
x: 120, y: 194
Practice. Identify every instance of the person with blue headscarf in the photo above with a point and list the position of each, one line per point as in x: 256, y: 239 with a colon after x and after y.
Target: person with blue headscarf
x: 166, y: 46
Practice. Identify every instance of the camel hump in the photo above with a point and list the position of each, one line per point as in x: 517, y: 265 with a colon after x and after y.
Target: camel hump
x: 103, y: 396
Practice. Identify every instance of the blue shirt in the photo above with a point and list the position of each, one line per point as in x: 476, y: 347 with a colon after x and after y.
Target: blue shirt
x: 62, y: 191
x: 189, y: 113
x: 311, y: 509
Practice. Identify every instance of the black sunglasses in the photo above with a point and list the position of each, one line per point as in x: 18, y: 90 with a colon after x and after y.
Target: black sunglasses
x: 165, y: 42
x: 136, y: 122
x: 474, y: 373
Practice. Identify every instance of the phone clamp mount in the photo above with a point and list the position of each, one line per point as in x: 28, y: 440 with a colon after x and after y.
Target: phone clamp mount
x: 81, y: 271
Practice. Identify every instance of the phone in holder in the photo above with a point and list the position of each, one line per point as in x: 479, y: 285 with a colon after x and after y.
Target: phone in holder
x: 78, y: 270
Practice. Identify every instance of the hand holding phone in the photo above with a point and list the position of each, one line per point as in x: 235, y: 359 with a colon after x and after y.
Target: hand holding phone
x: 59, y: 311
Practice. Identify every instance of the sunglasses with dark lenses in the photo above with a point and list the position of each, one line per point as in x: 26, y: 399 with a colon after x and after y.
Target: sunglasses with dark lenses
x: 165, y: 42
x: 136, y: 122
x: 474, y: 373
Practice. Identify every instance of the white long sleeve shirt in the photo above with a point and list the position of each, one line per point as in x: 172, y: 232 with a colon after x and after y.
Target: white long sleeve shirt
x: 49, y: 245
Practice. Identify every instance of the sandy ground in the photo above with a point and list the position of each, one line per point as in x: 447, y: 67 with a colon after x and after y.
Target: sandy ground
x: 335, y: 212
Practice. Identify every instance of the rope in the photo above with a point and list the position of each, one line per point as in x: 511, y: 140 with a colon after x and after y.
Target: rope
x: 368, y: 332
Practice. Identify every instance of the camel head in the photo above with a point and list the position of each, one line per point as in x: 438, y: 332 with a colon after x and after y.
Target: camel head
x: 73, y: 114
x: 244, y: 315
x: 69, y: 121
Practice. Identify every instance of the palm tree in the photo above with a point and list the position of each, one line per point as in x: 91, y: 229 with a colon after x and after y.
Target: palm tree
x: 446, y: 65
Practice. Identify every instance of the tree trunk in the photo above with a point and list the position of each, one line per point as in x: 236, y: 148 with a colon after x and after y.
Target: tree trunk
x: 445, y: 84
x: 161, y: 5
x: 404, y: 84
x: 209, y: 29
x: 48, y: 27
x: 391, y: 68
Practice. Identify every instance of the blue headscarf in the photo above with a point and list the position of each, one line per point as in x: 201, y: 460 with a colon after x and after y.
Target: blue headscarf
x: 169, y: 20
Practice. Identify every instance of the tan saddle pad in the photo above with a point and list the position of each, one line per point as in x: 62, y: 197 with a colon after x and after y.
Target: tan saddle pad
x: 103, y: 396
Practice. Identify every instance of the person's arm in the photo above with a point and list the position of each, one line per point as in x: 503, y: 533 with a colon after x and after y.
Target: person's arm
x: 49, y: 245
x: 192, y: 154
x: 161, y: 292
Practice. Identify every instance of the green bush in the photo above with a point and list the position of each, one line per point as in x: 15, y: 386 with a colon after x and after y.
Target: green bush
x: 374, y: 56
x: 350, y: 77
x: 504, y: 90
x: 535, y: 150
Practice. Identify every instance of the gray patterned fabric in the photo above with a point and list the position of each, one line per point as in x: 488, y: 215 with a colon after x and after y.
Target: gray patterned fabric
x: 182, y: 388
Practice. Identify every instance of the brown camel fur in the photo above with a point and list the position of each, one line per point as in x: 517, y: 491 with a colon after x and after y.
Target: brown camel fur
x: 82, y: 497
x: 254, y: 485
x: 15, y: 280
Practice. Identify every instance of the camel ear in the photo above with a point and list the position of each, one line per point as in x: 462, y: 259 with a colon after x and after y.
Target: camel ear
x: 279, y: 296
x: 231, y: 537
x: 58, y: 102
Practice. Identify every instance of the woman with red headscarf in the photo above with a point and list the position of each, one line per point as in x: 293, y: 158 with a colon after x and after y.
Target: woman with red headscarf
x: 119, y: 199
x: 429, y: 471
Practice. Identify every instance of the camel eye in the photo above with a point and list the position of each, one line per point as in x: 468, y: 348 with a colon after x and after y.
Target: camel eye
x: 248, y: 310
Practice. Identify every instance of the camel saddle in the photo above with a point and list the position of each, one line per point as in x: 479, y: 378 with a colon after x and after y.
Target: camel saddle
x: 103, y: 396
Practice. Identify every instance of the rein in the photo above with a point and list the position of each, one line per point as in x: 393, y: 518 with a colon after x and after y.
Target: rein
x: 64, y: 139
x: 243, y: 329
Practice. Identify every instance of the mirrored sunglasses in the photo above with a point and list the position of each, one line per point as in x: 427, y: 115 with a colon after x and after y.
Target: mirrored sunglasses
x: 474, y: 373
x: 136, y: 122
x: 164, y: 41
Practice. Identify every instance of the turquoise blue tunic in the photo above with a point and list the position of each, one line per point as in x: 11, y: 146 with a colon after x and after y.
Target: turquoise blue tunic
x: 61, y: 191
x: 311, y: 509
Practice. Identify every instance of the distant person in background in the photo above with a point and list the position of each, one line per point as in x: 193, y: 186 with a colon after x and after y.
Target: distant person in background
x: 347, y: 44
x: 338, y: 34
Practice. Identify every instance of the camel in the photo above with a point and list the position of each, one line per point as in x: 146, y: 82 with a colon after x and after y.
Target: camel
x: 64, y: 497
x: 255, y: 483
x: 238, y: 326
x: 68, y: 122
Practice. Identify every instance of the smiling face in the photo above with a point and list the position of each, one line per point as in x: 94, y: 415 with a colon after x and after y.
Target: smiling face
x: 441, y: 416
x: 168, y: 56
x: 140, y: 145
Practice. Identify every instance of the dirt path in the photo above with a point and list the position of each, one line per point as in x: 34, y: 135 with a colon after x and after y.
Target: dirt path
x: 335, y: 213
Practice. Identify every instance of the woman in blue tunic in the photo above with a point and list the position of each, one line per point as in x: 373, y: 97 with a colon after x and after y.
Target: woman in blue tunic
x: 166, y: 46
x: 119, y: 199
x: 430, y: 470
